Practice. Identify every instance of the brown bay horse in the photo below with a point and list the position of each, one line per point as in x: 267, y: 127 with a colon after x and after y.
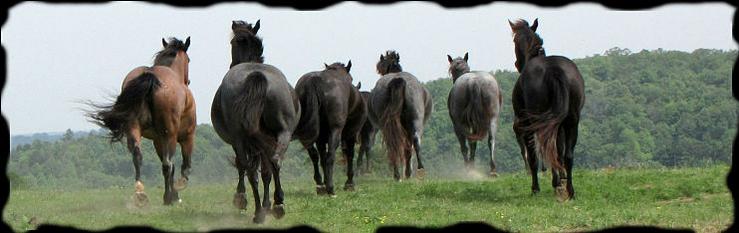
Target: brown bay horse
x: 333, y: 112
x: 255, y: 110
x: 156, y: 103
x: 474, y: 105
x: 547, y: 100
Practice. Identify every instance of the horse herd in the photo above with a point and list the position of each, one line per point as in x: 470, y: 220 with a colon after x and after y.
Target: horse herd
x: 257, y: 112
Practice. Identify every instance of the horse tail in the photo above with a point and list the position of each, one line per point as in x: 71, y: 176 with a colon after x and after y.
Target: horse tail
x: 134, y: 103
x: 546, y: 125
x: 310, y: 106
x: 249, y: 104
x: 477, y: 113
x: 394, y: 135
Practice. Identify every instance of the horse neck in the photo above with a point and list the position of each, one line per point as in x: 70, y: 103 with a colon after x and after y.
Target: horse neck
x: 180, y: 66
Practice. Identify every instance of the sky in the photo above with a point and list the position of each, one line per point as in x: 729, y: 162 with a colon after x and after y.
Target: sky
x: 61, y: 54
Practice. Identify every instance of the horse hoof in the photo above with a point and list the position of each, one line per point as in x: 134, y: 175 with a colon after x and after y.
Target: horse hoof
x: 421, y: 173
x: 349, y: 187
x: 562, y: 194
x: 180, y: 184
x: 140, y: 199
x: 259, y: 217
x: 493, y: 174
x: 321, y: 190
x: 139, y: 187
x: 278, y: 211
x: 239, y: 201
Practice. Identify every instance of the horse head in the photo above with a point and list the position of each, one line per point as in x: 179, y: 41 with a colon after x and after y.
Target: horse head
x: 458, y: 66
x: 174, y: 55
x: 389, y: 63
x: 246, y: 46
x: 527, y: 43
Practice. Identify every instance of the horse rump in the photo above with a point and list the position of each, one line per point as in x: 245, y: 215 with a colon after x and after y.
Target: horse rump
x: 134, y: 103
x: 394, y: 135
x: 310, y: 103
x: 545, y: 125
x: 477, y: 113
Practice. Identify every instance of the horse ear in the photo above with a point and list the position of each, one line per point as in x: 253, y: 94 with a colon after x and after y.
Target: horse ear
x: 382, y: 57
x: 187, y: 43
x: 164, y: 42
x: 510, y: 23
x: 233, y: 24
x: 256, y: 27
x: 535, y: 25
x: 348, y: 66
x: 465, y: 57
x: 324, y: 64
x: 359, y: 85
x: 449, y: 58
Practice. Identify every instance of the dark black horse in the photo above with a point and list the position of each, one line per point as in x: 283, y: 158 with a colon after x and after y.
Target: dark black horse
x: 333, y: 112
x: 366, y: 140
x: 255, y: 110
x: 400, y: 106
x: 547, y: 100
x: 474, y: 105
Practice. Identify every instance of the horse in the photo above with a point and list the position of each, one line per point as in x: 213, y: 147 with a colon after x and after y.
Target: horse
x: 366, y: 139
x: 332, y: 112
x: 156, y: 103
x: 547, y: 99
x: 474, y: 105
x: 400, y: 106
x: 255, y: 110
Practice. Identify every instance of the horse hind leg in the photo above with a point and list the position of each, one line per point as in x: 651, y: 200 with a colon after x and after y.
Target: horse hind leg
x: 348, y: 150
x: 328, y: 161
x: 266, y: 173
x: 165, y: 148
x: 186, y: 146
x: 417, y: 147
x: 134, y: 146
x: 491, y: 146
x: 251, y: 173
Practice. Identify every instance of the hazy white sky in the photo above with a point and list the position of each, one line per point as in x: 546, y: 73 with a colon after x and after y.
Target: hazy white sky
x: 59, y: 54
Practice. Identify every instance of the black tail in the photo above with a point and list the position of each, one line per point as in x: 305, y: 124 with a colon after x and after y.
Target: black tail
x: 310, y: 105
x: 249, y: 104
x: 546, y: 125
x: 394, y: 135
x: 477, y: 113
x: 134, y: 103
x: 249, y: 107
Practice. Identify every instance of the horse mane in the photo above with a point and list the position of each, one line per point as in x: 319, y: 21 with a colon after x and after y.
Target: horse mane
x: 336, y: 66
x: 248, y: 43
x: 390, y: 63
x: 533, y: 41
x: 167, y: 55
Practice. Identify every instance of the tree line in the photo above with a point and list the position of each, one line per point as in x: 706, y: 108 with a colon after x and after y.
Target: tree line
x: 654, y: 108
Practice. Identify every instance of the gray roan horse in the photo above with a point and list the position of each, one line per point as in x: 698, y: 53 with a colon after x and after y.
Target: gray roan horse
x: 333, y: 112
x: 255, y: 110
x: 400, y: 106
x: 474, y: 105
x: 155, y: 103
x: 366, y: 140
x: 547, y: 100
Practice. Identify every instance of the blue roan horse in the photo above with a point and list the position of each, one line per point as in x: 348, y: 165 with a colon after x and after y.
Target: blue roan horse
x: 255, y: 110
x: 547, y: 100
x: 474, y: 105
x: 400, y: 106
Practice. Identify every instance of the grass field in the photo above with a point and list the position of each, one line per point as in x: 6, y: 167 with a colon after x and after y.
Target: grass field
x: 675, y: 198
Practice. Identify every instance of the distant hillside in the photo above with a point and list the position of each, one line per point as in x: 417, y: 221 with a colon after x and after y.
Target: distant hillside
x: 23, y: 139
